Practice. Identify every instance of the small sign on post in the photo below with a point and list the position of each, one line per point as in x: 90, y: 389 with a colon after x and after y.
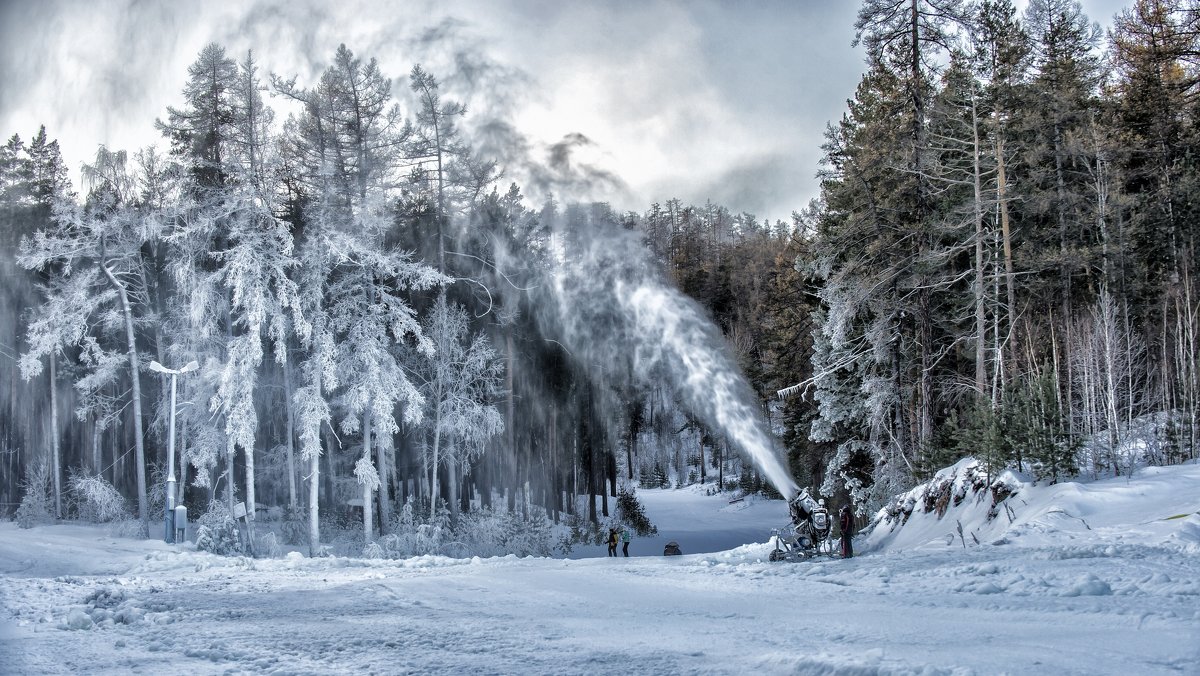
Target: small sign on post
x: 239, y: 512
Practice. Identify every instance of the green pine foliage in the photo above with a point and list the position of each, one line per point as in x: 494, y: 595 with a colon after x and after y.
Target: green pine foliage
x: 631, y: 513
x: 1037, y: 432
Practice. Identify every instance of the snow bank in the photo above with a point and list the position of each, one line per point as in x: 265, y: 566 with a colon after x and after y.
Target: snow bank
x: 962, y: 506
x: 1120, y: 594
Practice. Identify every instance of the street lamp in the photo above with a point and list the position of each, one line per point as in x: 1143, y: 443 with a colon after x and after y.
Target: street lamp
x: 170, y: 515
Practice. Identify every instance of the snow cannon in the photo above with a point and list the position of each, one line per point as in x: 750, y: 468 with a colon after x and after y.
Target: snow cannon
x: 808, y: 535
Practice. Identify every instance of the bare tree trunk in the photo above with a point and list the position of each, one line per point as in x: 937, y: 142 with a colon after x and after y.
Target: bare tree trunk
x: 629, y: 451
x: 433, y: 479
x: 291, y: 432
x: 452, y: 483
x: 368, y: 513
x: 510, y: 433
x: 384, y: 494
x: 314, y: 507
x: 1188, y: 361
x: 183, y: 465
x: 54, y: 449
x: 230, y: 493
x: 251, y: 497
x: 96, y: 431
x: 132, y: 352
x: 980, y: 314
x: 1002, y: 201
x: 1068, y: 402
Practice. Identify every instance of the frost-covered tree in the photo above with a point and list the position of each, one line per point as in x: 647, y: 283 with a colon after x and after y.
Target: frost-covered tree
x: 199, y: 132
x: 317, y: 371
x: 254, y: 270
x: 231, y: 252
x: 435, y: 142
x: 374, y: 323
x: 355, y: 289
x: 458, y: 382
x: 95, y: 256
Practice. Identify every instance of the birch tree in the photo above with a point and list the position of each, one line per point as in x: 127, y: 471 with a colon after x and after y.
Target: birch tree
x: 94, y: 253
x: 458, y: 381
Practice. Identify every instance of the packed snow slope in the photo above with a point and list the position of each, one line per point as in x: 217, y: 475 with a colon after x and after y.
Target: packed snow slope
x: 1040, y: 594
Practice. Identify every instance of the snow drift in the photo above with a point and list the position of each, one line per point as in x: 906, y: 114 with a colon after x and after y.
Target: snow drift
x: 965, y: 506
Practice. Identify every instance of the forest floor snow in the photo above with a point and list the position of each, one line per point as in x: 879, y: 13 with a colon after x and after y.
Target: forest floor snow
x: 1121, y: 597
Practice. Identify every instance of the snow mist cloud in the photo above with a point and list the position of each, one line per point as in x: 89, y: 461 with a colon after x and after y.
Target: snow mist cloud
x: 626, y: 325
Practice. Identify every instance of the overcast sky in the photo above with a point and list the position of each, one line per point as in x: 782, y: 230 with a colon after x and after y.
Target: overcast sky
x: 725, y: 101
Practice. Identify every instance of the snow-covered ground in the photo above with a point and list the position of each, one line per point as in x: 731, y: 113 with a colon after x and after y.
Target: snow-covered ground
x: 1118, y: 595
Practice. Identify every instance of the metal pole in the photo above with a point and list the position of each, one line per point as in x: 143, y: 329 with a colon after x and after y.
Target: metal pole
x: 170, y: 516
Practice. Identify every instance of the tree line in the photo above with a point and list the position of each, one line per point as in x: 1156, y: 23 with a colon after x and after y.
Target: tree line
x: 366, y: 306
x: 1004, y: 251
x: 1001, y: 263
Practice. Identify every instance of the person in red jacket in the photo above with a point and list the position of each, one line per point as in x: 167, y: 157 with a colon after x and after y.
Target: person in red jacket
x: 846, y: 523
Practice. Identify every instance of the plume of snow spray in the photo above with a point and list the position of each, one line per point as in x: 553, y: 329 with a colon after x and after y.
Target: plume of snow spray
x: 615, y: 313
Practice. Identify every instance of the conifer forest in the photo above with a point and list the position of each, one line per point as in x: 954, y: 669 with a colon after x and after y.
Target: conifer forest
x: 399, y: 314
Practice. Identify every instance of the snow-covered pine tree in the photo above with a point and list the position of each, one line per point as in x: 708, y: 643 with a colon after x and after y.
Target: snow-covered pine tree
x: 253, y: 270
x: 375, y: 325
x: 354, y: 288
x: 435, y: 142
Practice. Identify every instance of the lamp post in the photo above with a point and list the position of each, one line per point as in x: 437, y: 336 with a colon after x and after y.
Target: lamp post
x: 170, y: 501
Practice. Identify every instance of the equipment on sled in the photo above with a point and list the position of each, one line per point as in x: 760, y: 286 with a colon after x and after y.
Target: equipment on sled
x: 808, y: 534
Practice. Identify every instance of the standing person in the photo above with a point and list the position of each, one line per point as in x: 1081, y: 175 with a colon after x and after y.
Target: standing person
x: 846, y: 523
x: 612, y: 541
x: 625, y: 539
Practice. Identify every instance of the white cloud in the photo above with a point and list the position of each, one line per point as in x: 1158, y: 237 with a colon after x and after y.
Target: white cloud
x: 697, y: 100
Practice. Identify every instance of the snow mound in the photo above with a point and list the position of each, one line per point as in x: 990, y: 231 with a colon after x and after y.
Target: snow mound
x: 963, y: 507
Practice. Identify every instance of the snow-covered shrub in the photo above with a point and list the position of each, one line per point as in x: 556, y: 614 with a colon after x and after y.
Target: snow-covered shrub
x: 489, y: 532
x: 409, y: 537
x: 337, y: 522
x: 156, y: 492
x: 129, y: 527
x: 224, y: 539
x: 294, y: 526
x: 266, y: 546
x: 94, y: 499
x: 631, y: 512
x: 37, y: 503
x: 348, y: 542
x: 218, y: 532
x: 580, y: 531
x: 483, y: 532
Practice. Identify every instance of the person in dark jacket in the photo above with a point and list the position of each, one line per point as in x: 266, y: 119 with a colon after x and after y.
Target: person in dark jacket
x: 672, y: 549
x: 846, y: 523
x: 612, y: 541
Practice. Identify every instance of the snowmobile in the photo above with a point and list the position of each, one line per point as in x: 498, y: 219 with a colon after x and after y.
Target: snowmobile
x: 809, y: 533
